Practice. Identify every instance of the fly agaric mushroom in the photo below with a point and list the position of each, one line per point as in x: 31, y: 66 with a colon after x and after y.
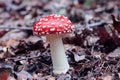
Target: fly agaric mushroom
x: 53, y: 26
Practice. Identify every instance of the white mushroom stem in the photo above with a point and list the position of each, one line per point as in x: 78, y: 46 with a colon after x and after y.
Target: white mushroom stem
x: 59, y: 59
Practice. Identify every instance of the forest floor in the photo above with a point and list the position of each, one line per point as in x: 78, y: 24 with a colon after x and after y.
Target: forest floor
x: 93, y: 49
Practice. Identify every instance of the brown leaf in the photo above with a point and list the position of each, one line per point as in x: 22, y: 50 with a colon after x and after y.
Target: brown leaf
x: 116, y: 23
x: 119, y: 75
x: 24, y: 75
x: 4, y: 73
x: 2, y: 32
x: 12, y: 36
x: 115, y: 53
x: 79, y: 58
x: 108, y: 77
x: 99, y: 78
x: 51, y: 78
x: 2, y: 4
x: 103, y: 34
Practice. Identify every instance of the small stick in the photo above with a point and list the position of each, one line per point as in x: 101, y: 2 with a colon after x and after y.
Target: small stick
x: 26, y: 58
x: 76, y: 26
x: 14, y: 27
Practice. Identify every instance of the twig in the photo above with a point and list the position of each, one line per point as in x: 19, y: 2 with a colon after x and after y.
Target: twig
x: 92, y: 49
x: 26, y: 58
x: 94, y: 24
x: 78, y: 26
x: 42, y: 78
x: 14, y: 27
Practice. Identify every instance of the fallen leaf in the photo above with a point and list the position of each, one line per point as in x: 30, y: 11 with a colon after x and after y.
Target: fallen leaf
x: 4, y: 73
x: 119, y: 75
x: 79, y: 58
x: 107, y: 77
x: 24, y: 75
x: 51, y: 78
x: 115, y: 53
x: 11, y: 78
x: 12, y: 37
x: 116, y: 23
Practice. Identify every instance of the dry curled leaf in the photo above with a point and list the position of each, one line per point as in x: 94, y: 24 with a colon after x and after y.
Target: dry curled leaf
x: 24, y: 75
x: 79, y: 58
x: 51, y: 78
x: 107, y: 77
x: 12, y: 36
x: 116, y: 23
x: 5, y: 73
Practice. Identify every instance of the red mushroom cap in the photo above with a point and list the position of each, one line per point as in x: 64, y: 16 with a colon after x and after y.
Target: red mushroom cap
x: 53, y: 24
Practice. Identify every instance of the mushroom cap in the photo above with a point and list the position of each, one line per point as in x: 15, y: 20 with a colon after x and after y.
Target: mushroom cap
x: 53, y: 24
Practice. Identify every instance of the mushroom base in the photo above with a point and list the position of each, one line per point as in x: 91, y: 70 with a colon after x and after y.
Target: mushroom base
x: 59, y: 59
